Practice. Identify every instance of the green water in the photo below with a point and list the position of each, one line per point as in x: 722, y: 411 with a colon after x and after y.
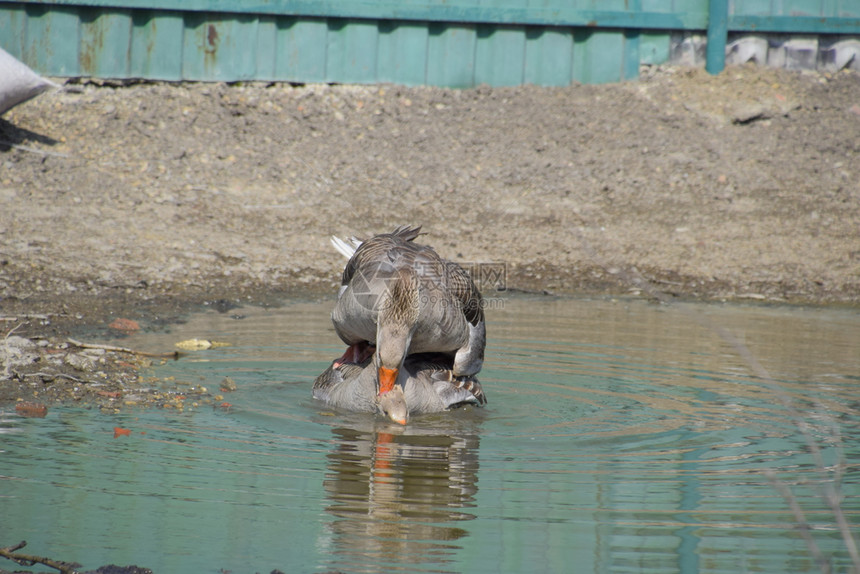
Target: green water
x: 619, y: 437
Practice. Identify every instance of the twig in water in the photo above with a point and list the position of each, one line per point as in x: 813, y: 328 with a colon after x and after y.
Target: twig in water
x: 170, y: 355
x: 50, y: 376
x: 27, y: 316
x: 802, y: 523
x: 11, y: 553
x: 12, y: 330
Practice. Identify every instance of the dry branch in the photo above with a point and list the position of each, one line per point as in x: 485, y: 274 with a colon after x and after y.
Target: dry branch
x: 26, y: 316
x: 115, y: 349
x: 32, y: 149
x: 11, y: 552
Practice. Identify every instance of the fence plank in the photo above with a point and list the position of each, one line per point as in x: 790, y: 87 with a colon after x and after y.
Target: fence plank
x: 455, y: 43
x: 598, y: 56
x: 549, y: 57
x: 499, y: 55
x: 402, y: 53
x: 51, y: 40
x: 13, y: 23
x: 105, y: 44
x: 351, y: 51
x: 654, y: 48
x: 156, y: 45
x: 301, y: 50
x: 450, y: 55
x: 266, y: 49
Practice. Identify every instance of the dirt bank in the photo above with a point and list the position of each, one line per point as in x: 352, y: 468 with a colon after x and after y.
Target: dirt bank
x: 137, y: 200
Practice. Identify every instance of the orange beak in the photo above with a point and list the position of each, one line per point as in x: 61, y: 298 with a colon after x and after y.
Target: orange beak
x: 387, y: 379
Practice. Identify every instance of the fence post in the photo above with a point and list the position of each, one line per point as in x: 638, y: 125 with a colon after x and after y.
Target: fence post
x: 718, y: 29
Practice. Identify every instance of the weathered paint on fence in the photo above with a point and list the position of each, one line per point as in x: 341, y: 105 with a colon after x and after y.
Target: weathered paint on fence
x: 438, y: 42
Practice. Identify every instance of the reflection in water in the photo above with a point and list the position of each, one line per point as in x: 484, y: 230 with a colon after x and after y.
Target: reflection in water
x: 397, y: 494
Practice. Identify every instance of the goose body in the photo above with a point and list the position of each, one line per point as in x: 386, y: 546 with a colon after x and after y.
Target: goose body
x: 399, y: 298
x: 392, y: 285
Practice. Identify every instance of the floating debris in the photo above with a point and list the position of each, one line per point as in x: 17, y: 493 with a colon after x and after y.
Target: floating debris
x: 199, y: 344
x: 31, y: 410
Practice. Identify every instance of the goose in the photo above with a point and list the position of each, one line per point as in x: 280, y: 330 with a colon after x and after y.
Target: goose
x: 424, y: 385
x: 398, y: 298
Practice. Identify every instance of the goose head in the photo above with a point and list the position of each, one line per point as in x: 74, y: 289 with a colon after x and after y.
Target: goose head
x: 398, y: 316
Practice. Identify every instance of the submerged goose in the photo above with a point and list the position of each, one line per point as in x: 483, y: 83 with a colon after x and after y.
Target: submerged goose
x: 424, y: 385
x: 399, y: 298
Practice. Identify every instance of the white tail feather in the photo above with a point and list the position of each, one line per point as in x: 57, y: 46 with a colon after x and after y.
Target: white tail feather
x: 345, y: 247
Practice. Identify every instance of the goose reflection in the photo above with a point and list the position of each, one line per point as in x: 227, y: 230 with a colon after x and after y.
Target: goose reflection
x: 398, y: 494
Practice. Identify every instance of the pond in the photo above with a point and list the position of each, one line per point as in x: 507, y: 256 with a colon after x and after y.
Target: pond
x: 620, y: 436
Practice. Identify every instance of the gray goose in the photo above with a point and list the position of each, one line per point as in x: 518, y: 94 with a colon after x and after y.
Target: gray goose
x: 425, y: 385
x: 399, y: 298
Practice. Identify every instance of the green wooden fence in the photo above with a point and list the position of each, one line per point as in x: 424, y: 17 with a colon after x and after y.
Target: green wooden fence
x: 456, y: 43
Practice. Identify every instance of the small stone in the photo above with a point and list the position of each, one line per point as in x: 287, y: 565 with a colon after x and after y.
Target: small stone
x: 228, y: 385
x: 19, y: 342
x: 80, y: 362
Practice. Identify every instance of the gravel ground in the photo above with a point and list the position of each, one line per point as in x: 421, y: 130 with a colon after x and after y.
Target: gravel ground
x: 141, y: 200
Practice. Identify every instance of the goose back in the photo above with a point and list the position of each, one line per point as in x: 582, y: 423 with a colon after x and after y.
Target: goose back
x: 450, y: 307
